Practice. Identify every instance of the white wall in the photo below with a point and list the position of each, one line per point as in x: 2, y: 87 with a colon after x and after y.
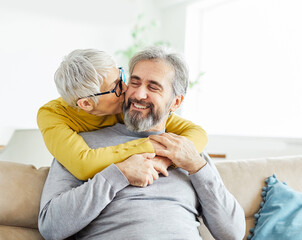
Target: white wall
x: 173, y: 19
x: 27, y: 146
x: 35, y: 35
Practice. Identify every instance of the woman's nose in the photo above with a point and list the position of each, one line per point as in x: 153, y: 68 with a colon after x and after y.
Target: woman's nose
x: 125, y: 87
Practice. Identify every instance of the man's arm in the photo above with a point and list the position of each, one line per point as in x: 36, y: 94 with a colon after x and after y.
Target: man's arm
x: 220, y: 211
x: 68, y: 204
x: 222, y: 214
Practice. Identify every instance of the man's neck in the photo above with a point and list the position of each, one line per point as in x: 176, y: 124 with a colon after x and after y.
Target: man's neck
x: 161, y: 126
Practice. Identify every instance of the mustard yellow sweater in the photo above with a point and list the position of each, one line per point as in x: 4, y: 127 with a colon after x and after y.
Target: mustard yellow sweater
x: 60, y: 125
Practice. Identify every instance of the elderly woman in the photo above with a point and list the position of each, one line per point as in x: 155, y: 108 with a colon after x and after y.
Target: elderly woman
x: 92, y: 95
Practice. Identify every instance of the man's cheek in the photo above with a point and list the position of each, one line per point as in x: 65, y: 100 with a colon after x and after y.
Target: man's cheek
x: 128, y: 93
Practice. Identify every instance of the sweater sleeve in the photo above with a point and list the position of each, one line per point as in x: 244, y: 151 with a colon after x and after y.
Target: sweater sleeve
x: 68, y: 205
x: 61, y: 137
x: 221, y: 212
x: 193, y: 132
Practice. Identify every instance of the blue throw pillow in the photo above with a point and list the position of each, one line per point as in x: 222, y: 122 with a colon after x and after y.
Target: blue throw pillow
x: 280, y: 214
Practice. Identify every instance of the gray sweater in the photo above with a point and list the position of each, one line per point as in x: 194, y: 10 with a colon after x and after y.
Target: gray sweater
x: 107, y: 207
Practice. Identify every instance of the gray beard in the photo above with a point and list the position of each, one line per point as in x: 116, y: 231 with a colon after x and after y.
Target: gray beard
x: 135, y: 121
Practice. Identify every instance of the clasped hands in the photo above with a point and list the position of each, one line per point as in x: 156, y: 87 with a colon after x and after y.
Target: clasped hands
x: 142, y: 169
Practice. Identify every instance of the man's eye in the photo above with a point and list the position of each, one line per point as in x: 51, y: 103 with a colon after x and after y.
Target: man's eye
x: 154, y: 88
x: 134, y: 83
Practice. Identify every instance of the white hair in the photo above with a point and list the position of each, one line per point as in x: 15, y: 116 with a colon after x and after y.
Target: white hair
x: 181, y: 73
x: 81, y: 74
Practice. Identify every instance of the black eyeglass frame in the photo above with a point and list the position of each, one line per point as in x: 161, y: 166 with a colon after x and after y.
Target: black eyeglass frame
x: 118, y: 84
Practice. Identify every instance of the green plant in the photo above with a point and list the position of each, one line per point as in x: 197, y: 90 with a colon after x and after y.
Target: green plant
x: 140, y: 35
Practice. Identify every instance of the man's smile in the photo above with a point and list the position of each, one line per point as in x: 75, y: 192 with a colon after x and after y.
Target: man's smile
x: 139, y: 106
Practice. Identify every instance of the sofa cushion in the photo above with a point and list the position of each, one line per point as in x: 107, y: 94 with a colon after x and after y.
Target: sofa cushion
x: 245, y: 178
x: 21, y: 187
x: 280, y: 214
x: 19, y: 233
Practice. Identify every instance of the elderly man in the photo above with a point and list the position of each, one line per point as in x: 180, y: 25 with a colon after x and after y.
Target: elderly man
x: 111, y: 205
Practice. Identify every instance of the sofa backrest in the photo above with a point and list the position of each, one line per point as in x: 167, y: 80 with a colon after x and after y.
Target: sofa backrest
x: 20, y: 187
x: 245, y: 179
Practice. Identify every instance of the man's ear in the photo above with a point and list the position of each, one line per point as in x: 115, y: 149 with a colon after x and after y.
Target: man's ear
x: 176, y: 103
x: 85, y: 104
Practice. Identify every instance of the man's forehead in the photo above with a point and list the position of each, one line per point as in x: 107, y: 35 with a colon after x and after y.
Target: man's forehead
x: 153, y: 70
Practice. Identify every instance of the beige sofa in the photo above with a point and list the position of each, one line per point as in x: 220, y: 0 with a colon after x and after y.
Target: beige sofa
x: 21, y: 186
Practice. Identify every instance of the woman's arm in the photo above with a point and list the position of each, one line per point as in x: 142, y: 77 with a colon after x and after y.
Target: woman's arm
x: 61, y: 137
x: 60, y: 125
x: 191, y: 131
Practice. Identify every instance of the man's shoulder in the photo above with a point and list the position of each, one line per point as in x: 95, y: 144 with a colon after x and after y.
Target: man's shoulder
x: 102, y: 131
x: 57, y: 171
x: 107, y: 136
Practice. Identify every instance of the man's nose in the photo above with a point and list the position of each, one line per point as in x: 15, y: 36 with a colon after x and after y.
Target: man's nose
x: 141, y: 93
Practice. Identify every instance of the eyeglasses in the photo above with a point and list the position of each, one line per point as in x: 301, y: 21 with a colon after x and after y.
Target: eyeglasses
x: 118, y: 89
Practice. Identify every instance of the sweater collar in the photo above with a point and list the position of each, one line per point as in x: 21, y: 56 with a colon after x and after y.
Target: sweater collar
x: 123, y: 129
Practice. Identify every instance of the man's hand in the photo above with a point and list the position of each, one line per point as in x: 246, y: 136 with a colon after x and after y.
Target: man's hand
x: 161, y: 164
x: 180, y: 150
x: 156, y: 145
x: 142, y: 169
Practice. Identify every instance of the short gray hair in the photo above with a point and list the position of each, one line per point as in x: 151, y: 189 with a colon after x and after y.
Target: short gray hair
x: 181, y: 73
x: 81, y: 74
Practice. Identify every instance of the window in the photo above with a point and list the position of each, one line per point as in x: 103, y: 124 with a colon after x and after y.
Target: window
x: 251, y: 54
